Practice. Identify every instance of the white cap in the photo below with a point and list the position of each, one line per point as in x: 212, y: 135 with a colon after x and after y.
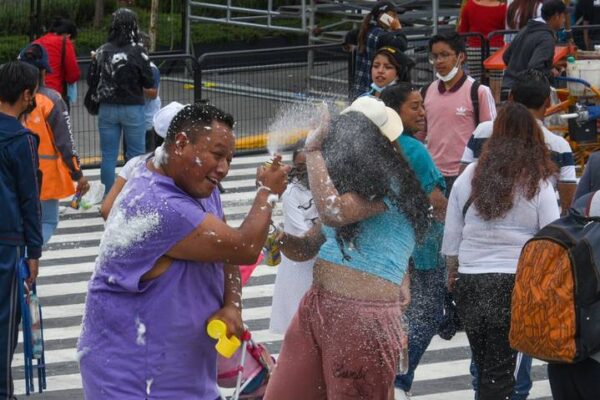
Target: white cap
x: 163, y: 117
x: 387, y: 120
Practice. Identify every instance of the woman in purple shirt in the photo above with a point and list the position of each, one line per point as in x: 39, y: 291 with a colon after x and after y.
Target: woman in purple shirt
x: 168, y: 264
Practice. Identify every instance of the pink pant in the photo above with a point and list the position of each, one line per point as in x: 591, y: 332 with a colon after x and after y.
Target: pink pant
x: 338, y: 348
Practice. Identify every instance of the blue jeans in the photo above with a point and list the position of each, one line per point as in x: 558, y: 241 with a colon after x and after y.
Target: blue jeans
x: 427, y: 290
x: 112, y: 120
x: 49, y: 218
x: 523, y: 382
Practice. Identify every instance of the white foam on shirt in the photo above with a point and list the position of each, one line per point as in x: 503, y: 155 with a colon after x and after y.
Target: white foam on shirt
x: 122, y: 231
x: 140, y: 340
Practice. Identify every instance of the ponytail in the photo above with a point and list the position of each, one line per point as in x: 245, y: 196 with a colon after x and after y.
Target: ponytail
x: 362, y: 33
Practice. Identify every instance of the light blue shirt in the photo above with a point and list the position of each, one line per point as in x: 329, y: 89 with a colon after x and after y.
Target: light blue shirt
x: 381, y: 248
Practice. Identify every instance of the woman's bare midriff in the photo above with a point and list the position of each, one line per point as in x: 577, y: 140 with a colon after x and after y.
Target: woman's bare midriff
x: 353, y: 283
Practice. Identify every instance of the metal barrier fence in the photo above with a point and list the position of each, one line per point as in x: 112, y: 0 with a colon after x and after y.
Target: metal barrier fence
x: 179, y: 72
x: 254, y: 85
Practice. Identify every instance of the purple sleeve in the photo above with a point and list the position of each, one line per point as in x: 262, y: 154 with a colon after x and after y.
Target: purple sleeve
x: 145, y: 226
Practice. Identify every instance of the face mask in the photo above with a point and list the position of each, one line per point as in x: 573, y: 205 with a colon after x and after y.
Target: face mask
x: 379, y: 89
x: 450, y: 75
x: 29, y: 108
x: 300, y: 175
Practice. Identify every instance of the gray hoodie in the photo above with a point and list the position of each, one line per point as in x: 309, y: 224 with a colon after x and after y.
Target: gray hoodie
x: 532, y: 48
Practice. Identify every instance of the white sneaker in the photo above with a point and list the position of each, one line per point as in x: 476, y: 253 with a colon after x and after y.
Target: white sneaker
x: 402, y: 395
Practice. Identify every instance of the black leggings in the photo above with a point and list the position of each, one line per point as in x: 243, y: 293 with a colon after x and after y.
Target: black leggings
x: 483, y: 304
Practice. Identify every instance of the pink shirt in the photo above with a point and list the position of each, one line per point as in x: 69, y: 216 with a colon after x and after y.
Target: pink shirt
x: 450, y: 121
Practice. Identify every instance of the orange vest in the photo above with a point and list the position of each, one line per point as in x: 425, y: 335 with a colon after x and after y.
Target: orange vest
x: 56, y: 178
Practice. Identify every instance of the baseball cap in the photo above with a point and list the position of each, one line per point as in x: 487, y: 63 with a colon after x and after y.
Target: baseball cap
x: 35, y: 55
x: 385, y: 6
x: 387, y: 120
x: 163, y: 117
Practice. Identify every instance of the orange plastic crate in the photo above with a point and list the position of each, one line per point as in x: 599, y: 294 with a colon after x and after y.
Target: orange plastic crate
x: 495, y: 62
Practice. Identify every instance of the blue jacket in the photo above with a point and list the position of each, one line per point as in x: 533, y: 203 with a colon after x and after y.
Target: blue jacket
x: 20, y: 213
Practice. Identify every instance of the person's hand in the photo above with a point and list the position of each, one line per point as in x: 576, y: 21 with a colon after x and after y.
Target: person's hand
x: 232, y: 317
x: 452, y: 276
x: 273, y: 177
x: 83, y: 185
x: 33, y: 271
x: 314, y: 140
x: 395, y: 25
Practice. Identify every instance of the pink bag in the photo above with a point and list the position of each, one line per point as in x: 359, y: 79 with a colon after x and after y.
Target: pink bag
x: 247, y: 270
x: 257, y: 368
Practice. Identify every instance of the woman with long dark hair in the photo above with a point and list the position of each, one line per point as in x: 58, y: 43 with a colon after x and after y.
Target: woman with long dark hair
x: 427, y: 275
x: 345, y: 340
x: 124, y: 72
x: 380, y: 27
x: 495, y: 206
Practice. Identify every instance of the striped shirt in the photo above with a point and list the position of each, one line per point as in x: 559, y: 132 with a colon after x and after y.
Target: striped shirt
x: 560, y: 150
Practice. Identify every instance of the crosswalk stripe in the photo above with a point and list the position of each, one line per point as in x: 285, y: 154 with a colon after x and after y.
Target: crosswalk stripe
x: 69, y: 261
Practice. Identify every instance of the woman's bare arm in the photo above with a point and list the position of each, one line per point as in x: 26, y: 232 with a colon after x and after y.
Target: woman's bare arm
x: 303, y: 248
x: 334, y: 209
x: 110, y: 198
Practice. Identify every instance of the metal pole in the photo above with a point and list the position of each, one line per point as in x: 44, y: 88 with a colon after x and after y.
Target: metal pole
x: 31, y: 20
x: 270, y: 8
x: 435, y: 6
x: 185, y: 14
x: 228, y: 10
x: 303, y: 12
x: 197, y: 70
x: 310, y: 54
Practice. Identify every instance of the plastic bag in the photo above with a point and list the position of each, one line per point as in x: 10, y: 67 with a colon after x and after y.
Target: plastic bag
x: 93, y: 196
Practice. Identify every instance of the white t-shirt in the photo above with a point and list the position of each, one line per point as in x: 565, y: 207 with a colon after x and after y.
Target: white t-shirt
x: 493, y: 246
x: 294, y: 278
x: 560, y: 150
x: 130, y: 165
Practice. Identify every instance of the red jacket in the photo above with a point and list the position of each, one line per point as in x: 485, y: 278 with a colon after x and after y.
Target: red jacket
x: 68, y: 73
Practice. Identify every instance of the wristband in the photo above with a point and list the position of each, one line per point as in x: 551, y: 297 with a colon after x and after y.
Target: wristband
x: 263, y: 187
x: 271, y: 198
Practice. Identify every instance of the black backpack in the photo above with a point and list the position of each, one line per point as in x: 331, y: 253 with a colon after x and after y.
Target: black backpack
x: 91, y: 101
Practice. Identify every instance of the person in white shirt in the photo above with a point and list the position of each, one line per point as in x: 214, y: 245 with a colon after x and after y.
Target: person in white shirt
x: 300, y: 243
x: 532, y: 89
x: 495, y: 206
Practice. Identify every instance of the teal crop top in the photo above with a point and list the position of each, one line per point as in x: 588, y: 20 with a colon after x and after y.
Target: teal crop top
x: 382, y: 246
